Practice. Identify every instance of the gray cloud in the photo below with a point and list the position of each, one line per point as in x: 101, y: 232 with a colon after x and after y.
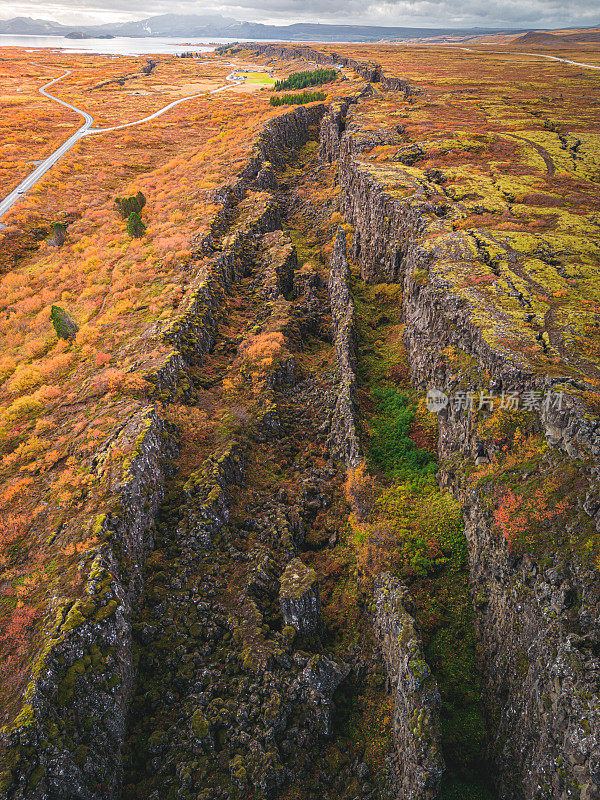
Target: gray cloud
x: 417, y: 13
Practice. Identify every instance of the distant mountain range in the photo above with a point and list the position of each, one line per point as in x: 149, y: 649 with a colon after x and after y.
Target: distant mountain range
x: 219, y: 27
x: 194, y: 25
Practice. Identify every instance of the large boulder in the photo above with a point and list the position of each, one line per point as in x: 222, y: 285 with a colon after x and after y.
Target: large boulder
x: 299, y: 597
x: 317, y: 682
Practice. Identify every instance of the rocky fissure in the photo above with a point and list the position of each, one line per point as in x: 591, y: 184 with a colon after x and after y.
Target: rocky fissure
x: 533, y: 615
x: 368, y: 70
x: 224, y: 646
x: 231, y: 629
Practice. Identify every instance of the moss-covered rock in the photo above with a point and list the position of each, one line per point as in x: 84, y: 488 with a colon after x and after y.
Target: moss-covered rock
x: 200, y: 725
x: 64, y: 325
x: 299, y: 597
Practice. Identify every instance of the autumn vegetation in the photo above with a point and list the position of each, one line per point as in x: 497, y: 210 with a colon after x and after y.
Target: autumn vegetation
x: 72, y: 364
x: 95, y: 261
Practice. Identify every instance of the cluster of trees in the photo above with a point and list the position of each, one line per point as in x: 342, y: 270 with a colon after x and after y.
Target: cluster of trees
x: 296, y: 99
x: 130, y: 209
x: 130, y: 205
x: 300, y: 80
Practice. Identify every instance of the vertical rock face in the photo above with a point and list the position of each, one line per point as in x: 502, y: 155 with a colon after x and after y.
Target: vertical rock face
x: 287, y: 133
x: 67, y: 740
x: 291, y: 52
x: 537, y: 618
x: 368, y: 70
x: 383, y: 227
x: 343, y: 438
x: 391, y: 83
x: 299, y: 597
x: 538, y: 627
x: 318, y: 681
x: 417, y: 701
x: 332, y: 127
x: 280, y: 262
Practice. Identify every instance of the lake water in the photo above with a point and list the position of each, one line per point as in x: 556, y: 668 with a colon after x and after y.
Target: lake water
x: 120, y: 46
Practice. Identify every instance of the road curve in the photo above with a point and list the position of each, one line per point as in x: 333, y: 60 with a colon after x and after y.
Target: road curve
x: 49, y: 162
x: 160, y: 111
x: 85, y: 130
x: 42, y: 90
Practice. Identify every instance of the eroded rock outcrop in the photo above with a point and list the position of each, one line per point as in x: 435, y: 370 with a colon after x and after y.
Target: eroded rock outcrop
x: 318, y: 682
x: 299, y: 597
x: 206, y: 508
x: 344, y: 439
x: 417, y: 701
x: 280, y: 262
x: 332, y: 127
x: 383, y: 227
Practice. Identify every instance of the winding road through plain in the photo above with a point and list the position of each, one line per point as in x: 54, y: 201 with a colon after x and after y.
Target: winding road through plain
x: 540, y: 55
x: 86, y: 130
x: 48, y: 162
x: 564, y: 60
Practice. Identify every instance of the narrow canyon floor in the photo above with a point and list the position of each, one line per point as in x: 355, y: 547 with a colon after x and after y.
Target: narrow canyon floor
x: 231, y: 701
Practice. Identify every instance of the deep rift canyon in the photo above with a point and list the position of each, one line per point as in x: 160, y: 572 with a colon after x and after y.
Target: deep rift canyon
x: 305, y: 584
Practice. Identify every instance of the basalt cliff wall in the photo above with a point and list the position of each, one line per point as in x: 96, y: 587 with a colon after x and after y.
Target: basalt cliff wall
x: 419, y: 765
x: 66, y: 740
x: 537, y: 616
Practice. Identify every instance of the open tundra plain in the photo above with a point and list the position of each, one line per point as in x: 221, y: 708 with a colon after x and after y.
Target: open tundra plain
x: 300, y: 423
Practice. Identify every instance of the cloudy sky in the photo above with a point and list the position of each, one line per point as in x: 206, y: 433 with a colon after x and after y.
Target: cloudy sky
x: 432, y: 13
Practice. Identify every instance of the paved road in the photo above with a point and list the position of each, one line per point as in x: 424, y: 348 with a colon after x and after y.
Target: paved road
x: 49, y: 162
x: 556, y: 58
x: 86, y: 130
x: 233, y: 77
x: 542, y: 55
